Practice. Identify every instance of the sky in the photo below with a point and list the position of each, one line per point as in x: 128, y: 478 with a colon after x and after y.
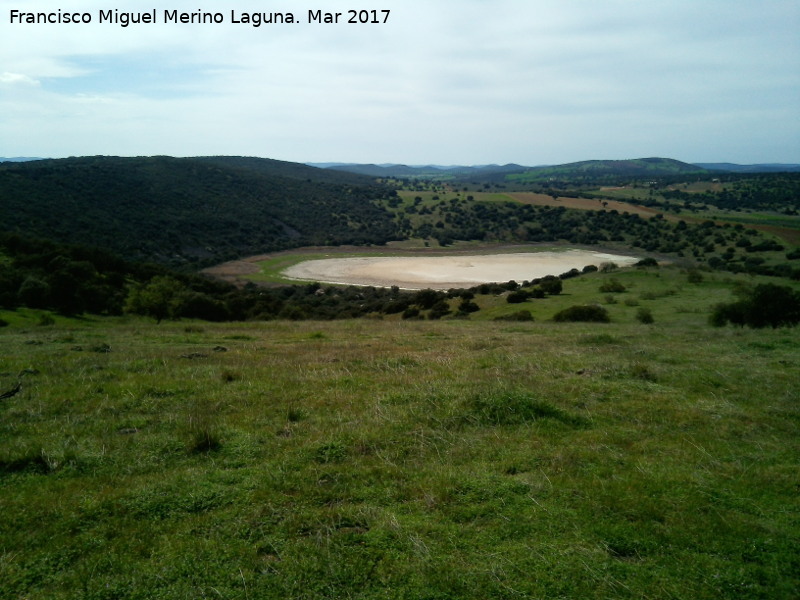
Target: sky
x: 446, y: 82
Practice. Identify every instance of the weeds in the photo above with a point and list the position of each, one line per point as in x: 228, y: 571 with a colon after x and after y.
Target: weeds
x: 202, y: 428
x: 516, y: 408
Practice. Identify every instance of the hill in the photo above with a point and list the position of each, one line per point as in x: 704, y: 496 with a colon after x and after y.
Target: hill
x: 434, y: 172
x: 280, y: 168
x: 759, y: 168
x: 406, y: 459
x: 608, y: 171
x: 190, y: 211
x: 580, y: 173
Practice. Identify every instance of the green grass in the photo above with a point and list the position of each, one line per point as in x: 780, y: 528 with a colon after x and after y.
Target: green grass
x: 405, y: 459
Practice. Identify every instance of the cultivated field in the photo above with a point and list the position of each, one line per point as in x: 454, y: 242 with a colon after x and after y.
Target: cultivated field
x: 582, y: 203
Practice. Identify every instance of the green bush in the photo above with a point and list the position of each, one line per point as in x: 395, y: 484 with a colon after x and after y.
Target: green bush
x: 520, y: 315
x: 766, y: 305
x: 592, y: 313
x: 613, y: 286
x: 608, y: 267
x: 645, y: 315
x: 439, y: 310
x: 468, y: 306
x: 551, y: 286
x: 694, y: 276
x: 517, y: 297
x: 412, y: 312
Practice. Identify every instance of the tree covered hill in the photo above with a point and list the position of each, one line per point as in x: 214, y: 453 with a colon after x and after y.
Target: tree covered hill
x: 190, y: 211
x: 609, y: 171
x: 280, y: 168
x: 430, y: 172
x: 584, y: 172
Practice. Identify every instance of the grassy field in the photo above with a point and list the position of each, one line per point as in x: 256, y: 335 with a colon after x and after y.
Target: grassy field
x: 405, y: 459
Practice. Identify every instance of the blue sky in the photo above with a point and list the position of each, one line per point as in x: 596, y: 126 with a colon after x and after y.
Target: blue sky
x: 448, y: 82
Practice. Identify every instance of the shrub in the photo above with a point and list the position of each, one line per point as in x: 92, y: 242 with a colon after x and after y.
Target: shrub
x: 694, y: 276
x: 551, y: 287
x: 520, y: 315
x: 766, y: 305
x: 46, y: 319
x: 412, y: 312
x: 647, y: 262
x: 613, y: 286
x: 608, y: 267
x: 517, y: 297
x: 468, y: 306
x: 645, y: 315
x: 570, y: 274
x: 439, y: 310
x: 592, y: 313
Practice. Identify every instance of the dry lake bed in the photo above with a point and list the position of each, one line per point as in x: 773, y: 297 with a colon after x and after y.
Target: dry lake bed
x: 446, y: 272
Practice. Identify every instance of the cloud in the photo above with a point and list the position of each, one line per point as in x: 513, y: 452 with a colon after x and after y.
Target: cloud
x: 446, y: 81
x: 16, y: 79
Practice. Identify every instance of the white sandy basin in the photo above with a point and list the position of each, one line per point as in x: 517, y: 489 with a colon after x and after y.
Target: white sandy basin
x: 446, y: 272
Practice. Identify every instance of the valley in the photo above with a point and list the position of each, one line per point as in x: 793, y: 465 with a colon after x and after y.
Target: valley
x: 179, y: 418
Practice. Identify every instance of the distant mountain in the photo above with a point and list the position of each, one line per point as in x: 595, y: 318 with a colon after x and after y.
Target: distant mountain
x: 757, y: 168
x: 589, y: 171
x: 190, y: 211
x: 639, y: 167
x: 438, y: 172
x: 18, y: 159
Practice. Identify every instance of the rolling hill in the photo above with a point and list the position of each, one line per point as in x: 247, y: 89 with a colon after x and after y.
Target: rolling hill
x: 190, y: 211
x: 589, y: 171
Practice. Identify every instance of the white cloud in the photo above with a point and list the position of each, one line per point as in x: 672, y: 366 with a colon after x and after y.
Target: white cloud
x: 16, y: 79
x: 444, y: 81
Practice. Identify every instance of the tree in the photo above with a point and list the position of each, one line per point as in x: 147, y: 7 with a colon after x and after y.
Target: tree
x: 34, y: 292
x: 613, y: 286
x: 439, y: 310
x: 162, y: 297
x: 468, y: 306
x: 766, y: 305
x: 551, y: 286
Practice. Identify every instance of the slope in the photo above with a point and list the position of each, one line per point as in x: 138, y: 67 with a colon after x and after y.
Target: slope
x: 183, y: 211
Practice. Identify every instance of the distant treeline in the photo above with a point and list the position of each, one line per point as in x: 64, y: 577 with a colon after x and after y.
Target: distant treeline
x: 67, y: 223
x: 727, y: 247
x: 778, y: 192
x: 73, y: 280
